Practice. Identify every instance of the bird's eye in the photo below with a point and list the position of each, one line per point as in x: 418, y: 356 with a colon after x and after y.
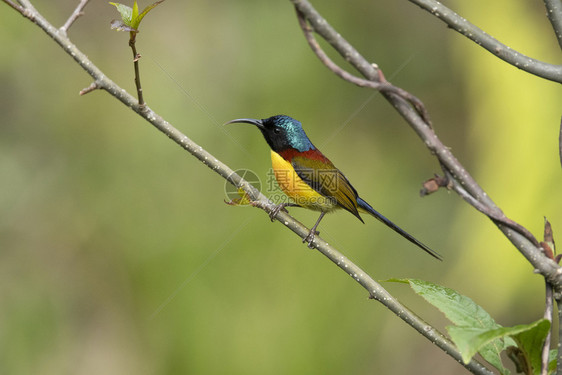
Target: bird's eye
x: 277, y: 130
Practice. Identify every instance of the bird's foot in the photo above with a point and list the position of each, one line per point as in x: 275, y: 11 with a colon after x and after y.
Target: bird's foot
x: 275, y: 211
x: 310, y: 238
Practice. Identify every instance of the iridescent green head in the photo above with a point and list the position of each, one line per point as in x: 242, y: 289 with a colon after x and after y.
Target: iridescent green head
x: 281, y: 132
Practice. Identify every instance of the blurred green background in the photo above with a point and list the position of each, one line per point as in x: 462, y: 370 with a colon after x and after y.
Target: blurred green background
x: 119, y: 256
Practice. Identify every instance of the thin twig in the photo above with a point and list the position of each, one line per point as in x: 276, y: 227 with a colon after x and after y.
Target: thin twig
x: 509, y: 55
x: 554, y: 14
x: 381, y: 84
x: 136, y: 58
x: 74, y: 16
x: 93, y: 86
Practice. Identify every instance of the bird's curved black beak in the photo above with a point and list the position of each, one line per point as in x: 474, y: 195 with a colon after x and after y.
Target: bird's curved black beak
x: 258, y: 123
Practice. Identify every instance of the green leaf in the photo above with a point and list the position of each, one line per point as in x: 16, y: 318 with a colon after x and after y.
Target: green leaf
x: 470, y: 340
x: 148, y: 9
x: 466, y: 314
x: 552, y: 361
x: 130, y: 16
x: 126, y: 13
x: 531, y: 342
x: 135, y: 13
x: 458, y: 308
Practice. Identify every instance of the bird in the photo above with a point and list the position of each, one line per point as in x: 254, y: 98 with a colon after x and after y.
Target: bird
x: 310, y: 179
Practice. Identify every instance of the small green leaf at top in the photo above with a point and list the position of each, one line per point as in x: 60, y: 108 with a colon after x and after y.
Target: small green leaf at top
x: 130, y: 17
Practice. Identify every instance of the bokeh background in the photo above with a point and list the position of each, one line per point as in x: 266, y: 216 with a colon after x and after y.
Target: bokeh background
x: 119, y: 256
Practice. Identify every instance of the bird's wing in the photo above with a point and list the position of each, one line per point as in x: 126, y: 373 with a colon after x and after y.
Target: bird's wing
x: 326, y: 179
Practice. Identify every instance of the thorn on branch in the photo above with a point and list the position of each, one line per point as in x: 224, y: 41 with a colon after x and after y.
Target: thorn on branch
x: 93, y: 86
x: 433, y: 184
x: 378, y: 83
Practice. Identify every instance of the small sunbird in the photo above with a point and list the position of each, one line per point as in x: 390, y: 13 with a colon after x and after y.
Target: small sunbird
x: 310, y: 179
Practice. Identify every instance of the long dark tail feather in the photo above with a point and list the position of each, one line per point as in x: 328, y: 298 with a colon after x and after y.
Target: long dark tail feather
x: 365, y: 206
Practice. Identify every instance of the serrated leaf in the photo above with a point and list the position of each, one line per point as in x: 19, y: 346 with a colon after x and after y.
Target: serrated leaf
x: 126, y: 13
x: 463, y: 312
x: 458, y: 308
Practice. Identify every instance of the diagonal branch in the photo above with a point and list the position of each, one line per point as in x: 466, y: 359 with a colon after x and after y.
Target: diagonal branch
x: 461, y: 25
x: 523, y: 240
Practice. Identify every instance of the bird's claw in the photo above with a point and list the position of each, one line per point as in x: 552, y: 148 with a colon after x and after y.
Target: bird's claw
x: 275, y: 211
x: 309, y: 239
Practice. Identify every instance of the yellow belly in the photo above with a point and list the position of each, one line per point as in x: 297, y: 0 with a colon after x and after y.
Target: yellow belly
x: 296, y: 188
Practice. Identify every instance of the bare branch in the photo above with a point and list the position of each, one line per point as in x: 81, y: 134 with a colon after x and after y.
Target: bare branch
x: 77, y: 13
x: 461, y: 25
x: 380, y: 84
x: 554, y: 14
